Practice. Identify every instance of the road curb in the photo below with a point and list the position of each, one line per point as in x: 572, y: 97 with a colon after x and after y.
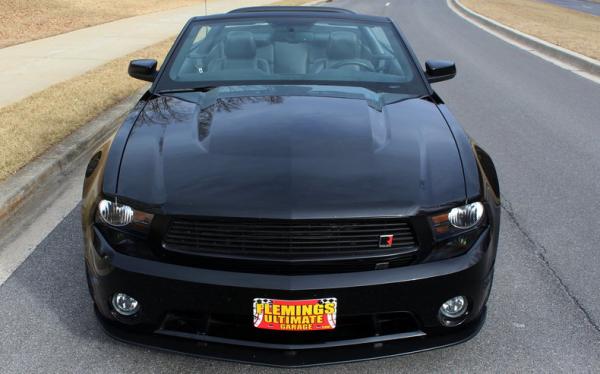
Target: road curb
x: 42, y: 176
x: 578, y: 61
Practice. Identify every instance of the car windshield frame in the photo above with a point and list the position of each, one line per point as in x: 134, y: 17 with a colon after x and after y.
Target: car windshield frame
x: 417, y: 86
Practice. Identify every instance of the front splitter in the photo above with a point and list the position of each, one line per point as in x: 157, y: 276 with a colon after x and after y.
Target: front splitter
x: 291, y: 358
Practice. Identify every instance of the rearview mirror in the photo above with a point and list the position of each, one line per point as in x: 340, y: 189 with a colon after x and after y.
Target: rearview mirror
x: 143, y: 69
x: 439, y: 70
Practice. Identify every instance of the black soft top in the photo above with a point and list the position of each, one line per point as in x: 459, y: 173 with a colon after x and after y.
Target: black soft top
x: 304, y: 11
x: 291, y: 9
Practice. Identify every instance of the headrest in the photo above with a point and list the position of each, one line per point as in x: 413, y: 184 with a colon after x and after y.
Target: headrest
x: 240, y: 44
x: 343, y: 45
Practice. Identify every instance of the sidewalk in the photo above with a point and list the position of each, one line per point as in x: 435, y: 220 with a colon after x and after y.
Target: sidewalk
x: 33, y: 66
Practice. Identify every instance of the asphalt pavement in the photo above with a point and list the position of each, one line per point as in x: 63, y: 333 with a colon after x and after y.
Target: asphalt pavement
x: 586, y: 6
x: 541, y: 125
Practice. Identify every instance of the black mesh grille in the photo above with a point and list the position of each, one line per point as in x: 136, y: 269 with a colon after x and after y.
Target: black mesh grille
x: 291, y: 240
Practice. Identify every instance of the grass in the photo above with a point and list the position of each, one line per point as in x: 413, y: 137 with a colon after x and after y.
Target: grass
x: 577, y: 31
x: 31, y: 126
x: 26, y: 20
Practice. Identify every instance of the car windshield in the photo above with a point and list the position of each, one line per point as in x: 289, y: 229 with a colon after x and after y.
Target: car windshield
x: 292, y: 50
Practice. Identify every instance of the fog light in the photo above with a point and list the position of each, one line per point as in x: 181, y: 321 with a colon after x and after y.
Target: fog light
x: 454, y: 307
x: 125, y: 304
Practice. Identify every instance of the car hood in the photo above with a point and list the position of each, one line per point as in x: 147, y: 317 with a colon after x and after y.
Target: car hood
x: 290, y: 157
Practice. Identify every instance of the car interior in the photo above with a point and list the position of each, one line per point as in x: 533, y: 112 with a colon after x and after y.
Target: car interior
x: 290, y: 51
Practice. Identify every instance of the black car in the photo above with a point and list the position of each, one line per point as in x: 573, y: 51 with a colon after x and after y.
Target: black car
x: 291, y: 191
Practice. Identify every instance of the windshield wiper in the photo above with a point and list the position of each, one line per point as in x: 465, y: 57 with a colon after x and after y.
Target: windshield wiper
x: 190, y: 89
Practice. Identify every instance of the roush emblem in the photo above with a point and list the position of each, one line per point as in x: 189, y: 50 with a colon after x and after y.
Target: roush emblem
x: 386, y: 241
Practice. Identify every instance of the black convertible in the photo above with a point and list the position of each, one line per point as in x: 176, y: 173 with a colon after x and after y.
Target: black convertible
x: 291, y: 191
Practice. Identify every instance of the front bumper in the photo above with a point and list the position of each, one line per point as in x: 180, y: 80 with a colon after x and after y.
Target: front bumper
x: 184, y: 309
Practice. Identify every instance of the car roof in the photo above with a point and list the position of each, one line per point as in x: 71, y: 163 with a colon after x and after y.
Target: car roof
x: 291, y: 9
x: 304, y: 11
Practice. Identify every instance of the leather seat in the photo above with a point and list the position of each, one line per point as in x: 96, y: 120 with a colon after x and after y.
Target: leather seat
x: 239, y: 54
x: 343, y: 52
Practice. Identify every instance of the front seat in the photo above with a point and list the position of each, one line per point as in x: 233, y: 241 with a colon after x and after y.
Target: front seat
x: 343, y: 52
x: 239, y: 54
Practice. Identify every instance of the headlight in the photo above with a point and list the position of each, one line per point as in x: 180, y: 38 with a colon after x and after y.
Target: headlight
x: 466, y: 216
x: 115, y: 214
x: 123, y: 216
x: 457, y: 220
x: 455, y: 231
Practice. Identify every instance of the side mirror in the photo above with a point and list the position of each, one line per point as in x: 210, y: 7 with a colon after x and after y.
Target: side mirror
x: 439, y: 70
x: 143, y: 69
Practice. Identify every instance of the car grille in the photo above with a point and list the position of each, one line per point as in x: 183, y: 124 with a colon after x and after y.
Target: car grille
x: 295, y: 242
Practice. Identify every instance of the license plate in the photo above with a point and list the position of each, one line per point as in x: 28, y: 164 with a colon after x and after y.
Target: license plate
x: 295, y: 315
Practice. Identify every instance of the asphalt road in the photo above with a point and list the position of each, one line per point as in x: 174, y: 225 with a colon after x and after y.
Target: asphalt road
x: 540, y: 123
x: 585, y: 6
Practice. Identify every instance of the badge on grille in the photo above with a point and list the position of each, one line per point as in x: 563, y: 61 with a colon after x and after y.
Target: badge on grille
x: 386, y: 241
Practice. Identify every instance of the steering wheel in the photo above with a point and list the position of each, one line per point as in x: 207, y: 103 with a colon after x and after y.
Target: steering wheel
x: 361, y: 64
